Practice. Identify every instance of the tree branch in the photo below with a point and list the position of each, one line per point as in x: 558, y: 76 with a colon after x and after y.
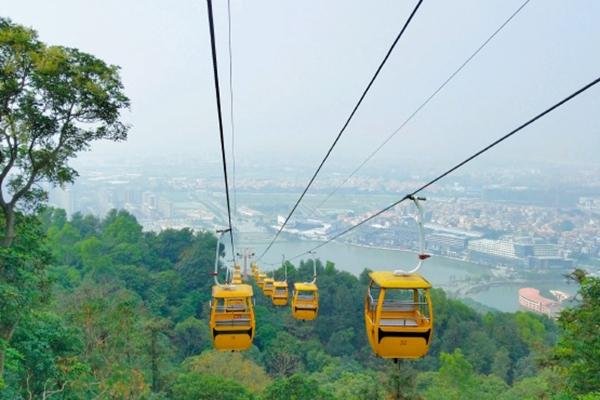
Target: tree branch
x: 13, y: 156
x: 47, y: 394
x: 34, y: 169
x: 13, y: 147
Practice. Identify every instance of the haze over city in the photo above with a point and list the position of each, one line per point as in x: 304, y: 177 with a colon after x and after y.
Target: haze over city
x: 299, y: 67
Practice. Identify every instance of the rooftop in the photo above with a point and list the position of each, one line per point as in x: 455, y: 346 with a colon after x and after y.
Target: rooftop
x: 232, y: 290
x: 533, y: 294
x: 308, y: 286
x: 389, y: 279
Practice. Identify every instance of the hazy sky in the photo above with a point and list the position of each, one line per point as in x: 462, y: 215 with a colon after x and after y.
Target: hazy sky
x: 299, y: 67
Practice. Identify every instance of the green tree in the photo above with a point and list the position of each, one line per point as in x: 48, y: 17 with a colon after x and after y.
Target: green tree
x: 234, y: 366
x: 454, y: 380
x: 45, y: 359
x: 158, y: 348
x: 116, y: 337
x: 23, y: 280
x: 501, y: 364
x: 54, y: 101
x: 283, y: 355
x: 191, y: 336
x: 578, y: 349
x: 197, y: 386
x: 357, y: 386
x: 401, y: 381
x: 542, y: 386
x: 296, y: 387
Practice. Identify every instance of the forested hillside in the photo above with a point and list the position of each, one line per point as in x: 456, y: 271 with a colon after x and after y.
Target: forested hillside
x: 113, y: 312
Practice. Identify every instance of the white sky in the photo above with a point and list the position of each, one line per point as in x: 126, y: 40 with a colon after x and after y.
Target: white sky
x: 300, y: 66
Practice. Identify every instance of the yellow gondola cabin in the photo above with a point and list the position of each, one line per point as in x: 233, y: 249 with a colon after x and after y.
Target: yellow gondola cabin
x: 268, y: 287
x: 398, y: 315
x: 232, y: 321
x: 305, y: 301
x: 236, y: 278
x: 280, y: 293
x: 261, y: 279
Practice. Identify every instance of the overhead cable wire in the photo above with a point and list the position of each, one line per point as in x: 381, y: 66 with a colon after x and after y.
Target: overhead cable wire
x: 220, y: 115
x: 339, y: 135
x: 420, y: 107
x: 231, y: 113
x: 455, y: 167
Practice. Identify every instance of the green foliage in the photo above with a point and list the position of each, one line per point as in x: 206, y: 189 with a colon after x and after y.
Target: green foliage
x: 54, y: 101
x: 46, y: 358
x: 501, y: 364
x: 456, y: 379
x: 542, y: 386
x: 578, y: 350
x: 296, y: 387
x: 283, y: 356
x: 196, y: 386
x: 233, y: 366
x: 23, y: 278
x: 191, y: 336
x: 356, y: 386
x: 134, y: 310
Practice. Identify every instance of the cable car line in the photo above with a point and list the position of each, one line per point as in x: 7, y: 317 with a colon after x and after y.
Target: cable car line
x: 219, y: 113
x: 339, y: 135
x: 419, y: 108
x: 455, y: 167
x: 231, y: 113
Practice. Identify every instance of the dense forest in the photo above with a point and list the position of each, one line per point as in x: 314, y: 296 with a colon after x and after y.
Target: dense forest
x: 108, y: 311
x: 96, y: 308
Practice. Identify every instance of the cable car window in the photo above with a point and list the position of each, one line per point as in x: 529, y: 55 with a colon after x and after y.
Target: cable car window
x: 373, y: 295
x: 306, y: 295
x: 236, y: 305
x: 423, y: 304
x: 400, y: 300
x: 219, y: 304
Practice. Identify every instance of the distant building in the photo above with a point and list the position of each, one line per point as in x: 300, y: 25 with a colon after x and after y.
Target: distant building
x: 495, y: 252
x: 551, y: 262
x: 62, y: 198
x: 532, y: 300
x: 446, y: 242
x: 521, y: 252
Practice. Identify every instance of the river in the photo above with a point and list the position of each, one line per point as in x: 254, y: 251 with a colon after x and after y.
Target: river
x: 440, y: 271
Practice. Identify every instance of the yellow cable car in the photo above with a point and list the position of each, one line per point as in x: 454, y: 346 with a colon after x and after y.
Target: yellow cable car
x: 398, y: 310
x: 398, y: 315
x: 268, y: 287
x: 305, y: 301
x: 232, y: 321
x: 261, y: 279
x: 280, y: 293
x: 236, y: 278
x: 280, y: 288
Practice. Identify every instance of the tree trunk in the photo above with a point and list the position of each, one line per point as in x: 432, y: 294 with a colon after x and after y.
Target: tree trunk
x: 9, y: 226
x: 1, y: 368
x: 6, y: 333
x: 154, y: 360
